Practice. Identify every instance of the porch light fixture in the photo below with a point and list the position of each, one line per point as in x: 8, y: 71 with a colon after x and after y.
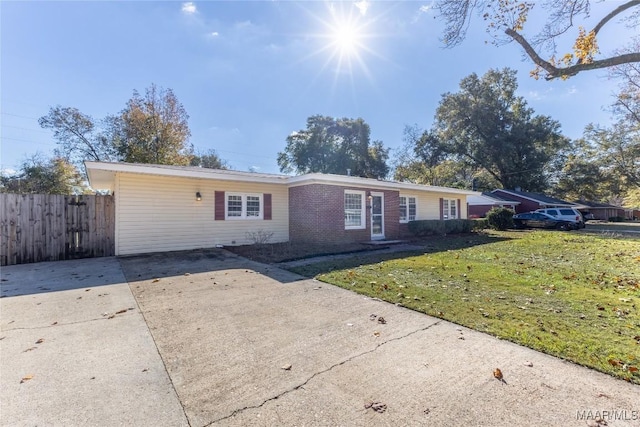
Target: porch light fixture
x: 369, y: 199
x: 198, y: 196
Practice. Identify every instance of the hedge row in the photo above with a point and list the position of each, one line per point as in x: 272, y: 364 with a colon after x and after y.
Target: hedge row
x: 434, y: 227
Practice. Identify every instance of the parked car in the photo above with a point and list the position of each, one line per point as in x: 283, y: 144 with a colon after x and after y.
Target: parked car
x: 567, y: 214
x: 541, y: 220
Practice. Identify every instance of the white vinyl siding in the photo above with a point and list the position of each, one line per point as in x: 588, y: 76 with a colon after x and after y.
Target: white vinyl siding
x: 428, y: 204
x: 354, y: 214
x: 243, y: 206
x: 408, y: 208
x: 160, y: 213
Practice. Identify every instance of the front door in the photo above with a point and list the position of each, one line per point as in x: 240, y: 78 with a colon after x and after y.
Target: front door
x: 377, y: 216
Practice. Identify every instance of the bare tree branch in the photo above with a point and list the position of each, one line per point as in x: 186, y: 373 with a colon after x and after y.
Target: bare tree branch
x: 615, y: 12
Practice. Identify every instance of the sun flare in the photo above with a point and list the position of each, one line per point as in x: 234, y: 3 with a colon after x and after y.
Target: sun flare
x: 346, y: 38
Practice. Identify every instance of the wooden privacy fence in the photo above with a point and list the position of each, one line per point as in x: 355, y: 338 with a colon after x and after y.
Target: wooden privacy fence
x: 45, y: 227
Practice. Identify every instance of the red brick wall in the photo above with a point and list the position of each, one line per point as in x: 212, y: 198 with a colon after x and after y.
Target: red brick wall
x: 316, y: 215
x: 391, y: 214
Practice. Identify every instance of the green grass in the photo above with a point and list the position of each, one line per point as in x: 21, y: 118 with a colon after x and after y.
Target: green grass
x: 575, y: 296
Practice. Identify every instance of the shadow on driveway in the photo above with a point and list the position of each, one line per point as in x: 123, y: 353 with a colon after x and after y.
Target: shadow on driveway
x: 55, y: 276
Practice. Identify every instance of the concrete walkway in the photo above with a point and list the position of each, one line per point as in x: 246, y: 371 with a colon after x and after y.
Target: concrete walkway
x: 242, y: 343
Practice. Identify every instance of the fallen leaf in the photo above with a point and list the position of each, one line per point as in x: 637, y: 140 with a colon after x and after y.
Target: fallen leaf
x: 376, y: 333
x: 155, y: 280
x: 633, y: 369
x: 40, y: 341
x: 529, y: 364
x: 29, y: 349
x: 26, y: 378
x: 497, y: 373
x: 286, y: 367
x: 54, y: 323
x: 381, y: 320
x: 122, y: 311
x: 613, y: 362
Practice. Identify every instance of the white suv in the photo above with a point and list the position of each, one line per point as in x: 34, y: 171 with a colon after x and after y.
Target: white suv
x: 568, y: 214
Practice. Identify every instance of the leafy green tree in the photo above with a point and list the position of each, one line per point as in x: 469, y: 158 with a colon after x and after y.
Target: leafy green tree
x: 488, y: 127
x: 632, y: 198
x: 581, y: 177
x: 619, y: 147
x: 423, y: 160
x: 154, y: 129
x: 39, y: 175
x: 506, y: 21
x: 208, y: 159
x: 331, y: 145
x: 79, y: 136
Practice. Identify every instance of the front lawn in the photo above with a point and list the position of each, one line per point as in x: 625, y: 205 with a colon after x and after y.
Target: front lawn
x: 572, y: 295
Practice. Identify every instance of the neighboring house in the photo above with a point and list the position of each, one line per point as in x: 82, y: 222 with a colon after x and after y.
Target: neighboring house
x: 531, y: 201
x: 479, y: 205
x: 166, y: 208
x: 601, y: 211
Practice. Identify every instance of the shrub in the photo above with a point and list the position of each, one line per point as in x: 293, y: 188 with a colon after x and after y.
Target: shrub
x: 431, y: 227
x: 480, y: 224
x: 260, y: 237
x: 500, y: 218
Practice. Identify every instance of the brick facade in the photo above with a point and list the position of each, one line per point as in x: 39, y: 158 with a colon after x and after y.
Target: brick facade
x: 316, y: 215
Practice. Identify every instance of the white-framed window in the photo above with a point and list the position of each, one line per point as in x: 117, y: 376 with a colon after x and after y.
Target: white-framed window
x: 450, y: 209
x: 243, y: 206
x: 354, y: 214
x: 407, y: 208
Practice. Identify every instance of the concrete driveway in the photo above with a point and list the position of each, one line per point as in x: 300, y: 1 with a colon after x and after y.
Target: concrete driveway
x: 249, y: 344
x: 75, y: 350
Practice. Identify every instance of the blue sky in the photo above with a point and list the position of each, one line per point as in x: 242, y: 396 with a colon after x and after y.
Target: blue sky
x: 250, y: 73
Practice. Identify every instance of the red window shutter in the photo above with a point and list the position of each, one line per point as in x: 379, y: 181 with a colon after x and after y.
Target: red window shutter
x: 267, y: 206
x: 219, y: 204
x: 441, y: 209
x: 459, y: 213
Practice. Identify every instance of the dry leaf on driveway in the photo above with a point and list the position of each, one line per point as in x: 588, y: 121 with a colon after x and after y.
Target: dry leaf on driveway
x: 26, y: 378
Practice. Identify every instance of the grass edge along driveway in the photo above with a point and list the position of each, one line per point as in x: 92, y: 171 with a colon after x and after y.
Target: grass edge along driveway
x: 568, y: 294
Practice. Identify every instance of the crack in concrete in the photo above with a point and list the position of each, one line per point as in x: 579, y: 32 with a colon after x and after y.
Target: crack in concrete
x: 56, y: 325
x: 299, y: 386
